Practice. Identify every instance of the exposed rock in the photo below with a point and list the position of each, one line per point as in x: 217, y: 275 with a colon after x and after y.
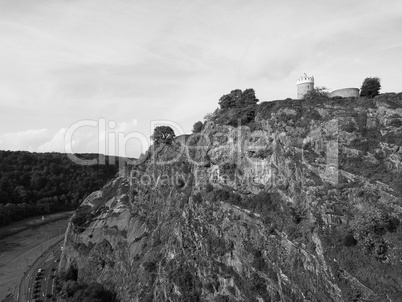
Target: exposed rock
x: 301, y: 209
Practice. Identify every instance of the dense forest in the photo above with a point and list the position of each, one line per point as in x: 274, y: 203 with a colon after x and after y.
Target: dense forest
x: 43, y: 183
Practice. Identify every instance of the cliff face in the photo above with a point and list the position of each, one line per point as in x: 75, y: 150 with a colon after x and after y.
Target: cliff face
x: 304, y: 205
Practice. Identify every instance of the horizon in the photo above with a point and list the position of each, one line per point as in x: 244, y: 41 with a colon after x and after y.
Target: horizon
x: 153, y: 63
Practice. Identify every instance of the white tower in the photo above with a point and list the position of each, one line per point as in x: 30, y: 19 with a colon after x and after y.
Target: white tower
x: 304, y: 85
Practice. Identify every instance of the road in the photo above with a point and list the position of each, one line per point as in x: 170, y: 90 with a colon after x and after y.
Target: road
x: 37, y: 286
x: 20, y: 250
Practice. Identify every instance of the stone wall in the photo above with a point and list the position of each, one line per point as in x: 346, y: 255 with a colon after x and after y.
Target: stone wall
x: 345, y: 92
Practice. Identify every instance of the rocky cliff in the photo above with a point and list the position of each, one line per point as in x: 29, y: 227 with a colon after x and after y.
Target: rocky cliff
x: 303, y: 204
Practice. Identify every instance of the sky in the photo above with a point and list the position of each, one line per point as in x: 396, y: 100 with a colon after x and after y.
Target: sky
x: 99, y: 75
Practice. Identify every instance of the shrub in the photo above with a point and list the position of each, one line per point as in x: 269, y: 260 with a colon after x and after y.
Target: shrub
x: 197, y: 127
x: 236, y: 108
x: 395, y: 123
x: 150, y: 266
x: 197, y: 198
x: 350, y: 127
x: 163, y: 134
x: 349, y: 240
x: 318, y: 92
x: 209, y: 188
x: 392, y: 224
x: 180, y: 183
x: 370, y: 87
x: 82, y: 216
x: 263, y: 153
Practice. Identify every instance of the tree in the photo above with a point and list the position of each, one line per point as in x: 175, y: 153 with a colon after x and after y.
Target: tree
x: 239, y: 99
x: 236, y: 108
x: 248, y: 98
x: 370, y: 87
x: 163, y: 134
x: 229, y: 100
x: 318, y: 92
x: 197, y: 127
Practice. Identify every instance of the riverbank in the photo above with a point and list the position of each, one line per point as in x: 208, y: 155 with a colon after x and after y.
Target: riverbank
x: 36, y: 221
x: 23, y: 243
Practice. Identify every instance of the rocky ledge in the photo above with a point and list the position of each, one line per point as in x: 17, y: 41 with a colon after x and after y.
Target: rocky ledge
x: 302, y: 205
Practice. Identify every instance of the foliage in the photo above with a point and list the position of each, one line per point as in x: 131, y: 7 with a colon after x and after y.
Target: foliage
x: 236, y: 108
x: 260, y: 153
x: 370, y: 87
x: 163, y: 134
x: 36, y: 184
x: 93, y: 292
x: 239, y: 99
x: 198, y: 126
x: 82, y: 216
x: 188, y: 283
x: 72, y: 291
x: 369, y: 227
x: 349, y: 240
x: 267, y: 205
x: 210, y: 116
x: 319, y: 92
x: 380, y: 276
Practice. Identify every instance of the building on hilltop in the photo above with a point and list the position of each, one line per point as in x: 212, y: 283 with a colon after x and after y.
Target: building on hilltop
x: 304, y: 85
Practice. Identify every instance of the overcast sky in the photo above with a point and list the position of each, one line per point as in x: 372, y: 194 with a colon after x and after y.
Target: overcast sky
x: 70, y: 67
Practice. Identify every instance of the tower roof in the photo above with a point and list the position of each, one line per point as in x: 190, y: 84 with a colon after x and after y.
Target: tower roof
x: 305, y: 79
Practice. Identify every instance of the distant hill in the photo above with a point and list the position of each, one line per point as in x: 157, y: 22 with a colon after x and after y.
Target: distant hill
x: 41, y: 183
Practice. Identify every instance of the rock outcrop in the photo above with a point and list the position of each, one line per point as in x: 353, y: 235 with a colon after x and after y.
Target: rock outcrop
x: 302, y: 205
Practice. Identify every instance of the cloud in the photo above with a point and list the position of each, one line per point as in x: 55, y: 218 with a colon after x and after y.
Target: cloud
x: 68, y: 61
x: 55, y: 144
x: 97, y: 136
x: 24, y: 140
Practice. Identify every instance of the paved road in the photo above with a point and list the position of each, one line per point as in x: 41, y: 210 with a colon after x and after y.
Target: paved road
x: 20, y: 250
x: 37, y: 286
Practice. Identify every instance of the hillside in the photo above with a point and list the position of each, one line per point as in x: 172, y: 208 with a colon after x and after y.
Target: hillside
x: 301, y: 203
x: 42, y: 183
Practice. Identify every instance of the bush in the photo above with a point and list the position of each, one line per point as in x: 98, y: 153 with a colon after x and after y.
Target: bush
x: 82, y: 216
x: 349, y: 240
x: 395, y: 123
x: 370, y: 87
x: 197, y: 198
x: 392, y: 224
x: 163, y: 134
x: 209, y: 188
x: 197, y: 127
x: 318, y: 92
x: 236, y: 108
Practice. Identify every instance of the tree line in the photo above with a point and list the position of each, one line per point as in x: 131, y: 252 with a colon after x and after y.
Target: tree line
x: 43, y: 183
